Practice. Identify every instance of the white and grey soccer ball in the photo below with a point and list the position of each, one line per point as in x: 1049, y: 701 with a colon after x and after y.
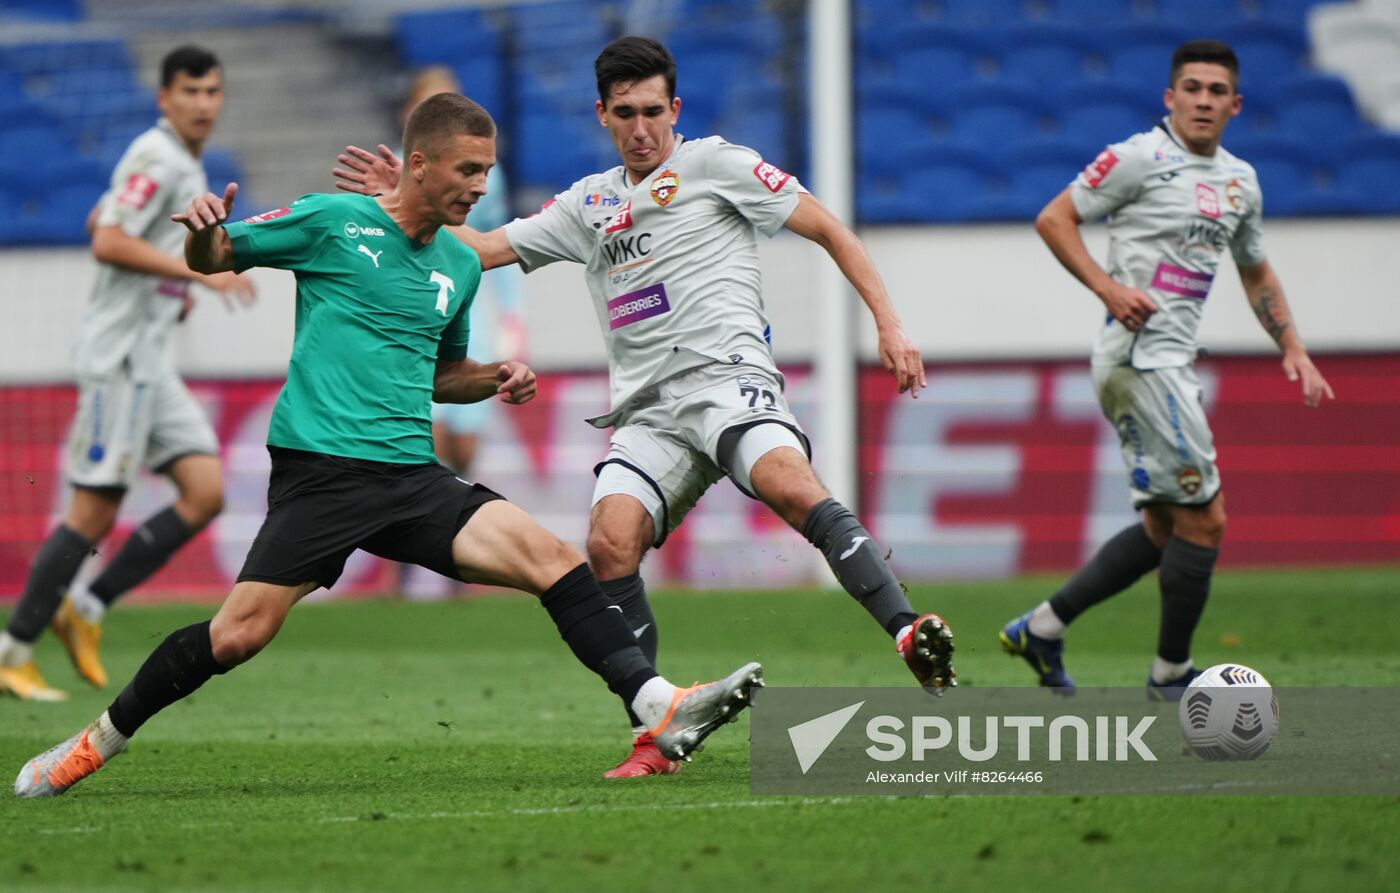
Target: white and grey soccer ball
x: 1229, y: 712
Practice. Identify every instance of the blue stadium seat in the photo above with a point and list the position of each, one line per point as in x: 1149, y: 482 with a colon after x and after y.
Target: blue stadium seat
x: 1141, y: 52
x: 1268, y: 51
x: 1097, y: 113
x: 31, y: 138
x: 1285, y: 169
x: 936, y: 58
x: 60, y: 216
x: 53, y: 10
x: 443, y: 36
x: 481, y: 79
x: 944, y: 187
x: 1211, y: 14
x: 1256, y: 118
x: 1369, y: 164
x: 1039, y: 170
x: 1041, y: 53
x: 1316, y: 107
x: 981, y: 13
x: 992, y: 115
x: 1293, y: 11
x: 1094, y: 13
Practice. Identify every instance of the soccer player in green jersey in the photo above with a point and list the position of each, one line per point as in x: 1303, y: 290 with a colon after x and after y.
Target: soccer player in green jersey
x: 381, y: 331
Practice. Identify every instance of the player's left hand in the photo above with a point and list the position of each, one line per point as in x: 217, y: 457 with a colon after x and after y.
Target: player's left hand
x: 207, y: 210
x: 902, y: 360
x: 1299, y: 366
x: 515, y: 382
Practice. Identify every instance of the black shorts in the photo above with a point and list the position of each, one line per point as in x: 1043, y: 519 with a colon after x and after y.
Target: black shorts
x: 322, y: 508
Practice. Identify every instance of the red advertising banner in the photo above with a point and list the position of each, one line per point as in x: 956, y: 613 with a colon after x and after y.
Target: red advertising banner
x: 996, y: 469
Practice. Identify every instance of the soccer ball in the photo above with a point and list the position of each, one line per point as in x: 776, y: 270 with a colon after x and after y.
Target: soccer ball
x: 1229, y: 712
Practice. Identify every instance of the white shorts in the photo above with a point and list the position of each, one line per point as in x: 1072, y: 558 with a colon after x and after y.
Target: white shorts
x: 1167, y: 444
x: 668, y: 452
x: 123, y: 425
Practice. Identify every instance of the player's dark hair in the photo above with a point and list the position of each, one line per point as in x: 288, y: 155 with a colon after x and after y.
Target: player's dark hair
x: 628, y: 60
x: 188, y: 59
x: 1213, y: 51
x: 441, y: 116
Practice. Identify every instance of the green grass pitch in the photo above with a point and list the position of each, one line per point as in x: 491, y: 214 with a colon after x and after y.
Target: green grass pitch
x: 388, y: 745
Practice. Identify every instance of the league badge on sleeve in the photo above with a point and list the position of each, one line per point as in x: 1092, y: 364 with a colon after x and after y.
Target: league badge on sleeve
x: 265, y: 216
x: 1098, y: 169
x: 771, y: 176
x: 138, y: 191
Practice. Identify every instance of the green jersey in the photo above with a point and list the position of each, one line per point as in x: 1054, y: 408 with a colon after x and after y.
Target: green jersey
x: 375, y: 312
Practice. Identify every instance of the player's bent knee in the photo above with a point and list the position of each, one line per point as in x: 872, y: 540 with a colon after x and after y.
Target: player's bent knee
x: 612, y: 556
x: 236, y: 642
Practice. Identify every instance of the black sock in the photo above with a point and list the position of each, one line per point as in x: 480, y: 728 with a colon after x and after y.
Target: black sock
x: 1118, y: 564
x: 630, y: 594
x: 859, y: 567
x: 596, y: 633
x: 1185, y: 582
x: 149, y: 547
x: 53, y: 569
x: 178, y: 666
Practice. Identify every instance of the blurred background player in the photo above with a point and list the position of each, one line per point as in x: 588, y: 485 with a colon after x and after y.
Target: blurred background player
x: 134, y: 410
x: 495, y: 322
x: 1175, y: 200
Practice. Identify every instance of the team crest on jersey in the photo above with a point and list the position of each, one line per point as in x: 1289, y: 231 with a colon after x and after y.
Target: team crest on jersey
x: 1098, y: 169
x: 1207, y: 201
x: 1234, y: 194
x: 1189, y: 479
x: 265, y: 216
x: 665, y: 187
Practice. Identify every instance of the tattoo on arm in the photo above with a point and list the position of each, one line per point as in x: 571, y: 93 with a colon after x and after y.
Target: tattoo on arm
x: 1264, y: 308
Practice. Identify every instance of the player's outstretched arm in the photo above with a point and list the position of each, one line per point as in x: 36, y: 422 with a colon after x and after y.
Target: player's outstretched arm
x: 1265, y: 294
x: 467, y: 381
x: 1058, y: 225
x: 208, y: 248
x: 111, y: 244
x: 811, y: 220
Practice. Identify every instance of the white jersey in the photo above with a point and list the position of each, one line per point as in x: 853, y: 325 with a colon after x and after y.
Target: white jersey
x: 1170, y: 216
x: 672, y: 262
x: 129, y: 315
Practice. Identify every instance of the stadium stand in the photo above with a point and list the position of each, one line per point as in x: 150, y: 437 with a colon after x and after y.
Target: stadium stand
x: 972, y: 92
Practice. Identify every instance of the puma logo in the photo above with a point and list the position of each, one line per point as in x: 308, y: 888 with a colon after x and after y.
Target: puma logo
x: 373, y: 255
x: 855, y: 544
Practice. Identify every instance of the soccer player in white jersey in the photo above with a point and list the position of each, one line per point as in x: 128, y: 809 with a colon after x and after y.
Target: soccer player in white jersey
x: 1176, y: 200
x: 668, y: 240
x: 133, y: 409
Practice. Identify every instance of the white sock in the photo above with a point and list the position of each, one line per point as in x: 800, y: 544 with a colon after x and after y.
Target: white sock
x: 105, y: 737
x: 1045, y: 623
x: 89, y: 607
x: 652, y: 702
x: 899, y: 636
x: 1165, y: 671
x: 13, y: 652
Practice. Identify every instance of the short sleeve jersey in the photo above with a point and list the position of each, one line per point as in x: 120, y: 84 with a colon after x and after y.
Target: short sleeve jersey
x: 1171, y: 215
x: 375, y: 311
x: 129, y: 315
x: 672, y: 261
